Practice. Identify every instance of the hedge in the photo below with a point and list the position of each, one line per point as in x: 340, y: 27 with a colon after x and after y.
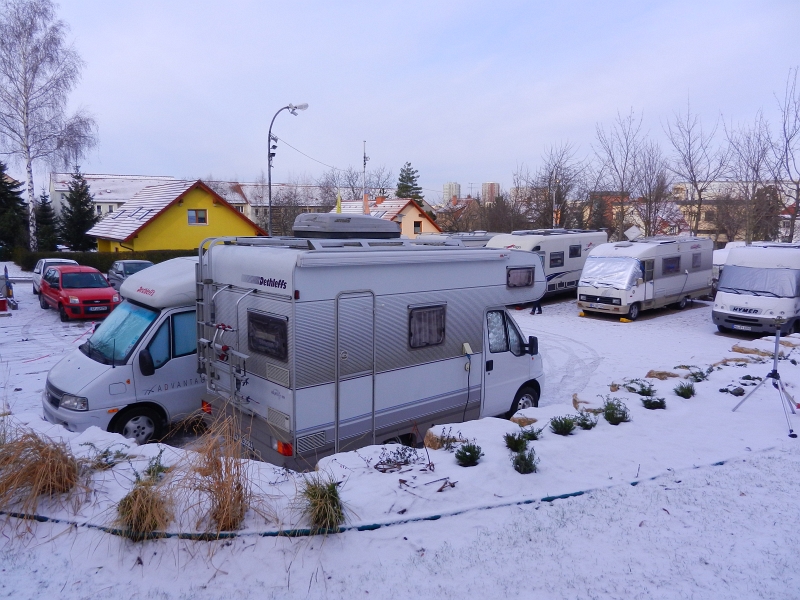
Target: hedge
x: 101, y: 261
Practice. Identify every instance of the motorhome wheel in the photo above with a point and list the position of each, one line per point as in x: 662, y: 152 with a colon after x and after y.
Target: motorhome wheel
x: 139, y: 423
x: 633, y: 312
x: 34, y: 290
x: 681, y: 304
x: 62, y: 313
x: 527, y: 397
x: 43, y: 302
x: 723, y: 329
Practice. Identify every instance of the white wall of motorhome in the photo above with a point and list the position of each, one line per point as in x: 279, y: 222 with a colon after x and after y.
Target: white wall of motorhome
x: 758, y: 284
x: 624, y: 278
x: 103, y: 382
x: 563, y: 252
x: 339, y: 343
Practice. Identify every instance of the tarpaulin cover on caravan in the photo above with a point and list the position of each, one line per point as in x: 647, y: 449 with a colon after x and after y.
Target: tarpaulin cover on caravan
x: 784, y: 283
x: 619, y: 272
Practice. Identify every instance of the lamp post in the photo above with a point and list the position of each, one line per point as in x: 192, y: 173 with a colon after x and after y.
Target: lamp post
x: 272, y: 146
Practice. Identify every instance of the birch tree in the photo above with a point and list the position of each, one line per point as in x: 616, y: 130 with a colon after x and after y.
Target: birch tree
x: 787, y: 146
x: 38, y: 70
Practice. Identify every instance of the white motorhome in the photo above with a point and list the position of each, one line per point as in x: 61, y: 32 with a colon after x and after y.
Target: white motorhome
x: 624, y: 278
x: 563, y: 252
x: 329, y: 345
x: 758, y: 284
x: 138, y: 370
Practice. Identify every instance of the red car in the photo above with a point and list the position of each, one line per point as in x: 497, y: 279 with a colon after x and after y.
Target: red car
x: 77, y: 292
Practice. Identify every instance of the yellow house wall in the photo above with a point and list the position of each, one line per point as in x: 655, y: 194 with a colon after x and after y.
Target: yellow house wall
x: 411, y: 214
x: 171, y: 230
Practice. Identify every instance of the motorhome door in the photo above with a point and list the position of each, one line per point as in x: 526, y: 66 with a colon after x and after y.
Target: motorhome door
x: 505, y: 367
x: 355, y: 370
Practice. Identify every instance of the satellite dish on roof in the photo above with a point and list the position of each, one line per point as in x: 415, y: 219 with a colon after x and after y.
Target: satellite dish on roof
x: 633, y: 233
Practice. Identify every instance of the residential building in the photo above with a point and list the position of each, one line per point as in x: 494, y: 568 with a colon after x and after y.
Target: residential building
x: 489, y: 192
x: 411, y: 216
x: 451, y: 190
x: 177, y: 215
x: 109, y: 191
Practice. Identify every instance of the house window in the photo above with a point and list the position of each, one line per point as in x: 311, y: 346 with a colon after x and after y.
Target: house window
x: 417, y: 226
x: 671, y: 265
x: 556, y: 259
x: 426, y: 326
x: 197, y: 217
x: 110, y: 208
x: 99, y: 210
x: 240, y: 209
x: 575, y: 251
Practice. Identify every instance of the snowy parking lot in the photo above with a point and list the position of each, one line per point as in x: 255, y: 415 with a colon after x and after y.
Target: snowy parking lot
x: 694, y: 501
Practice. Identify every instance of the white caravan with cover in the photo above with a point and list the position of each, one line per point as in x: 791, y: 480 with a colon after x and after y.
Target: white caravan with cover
x: 321, y: 346
x: 624, y: 278
x: 138, y: 370
x: 758, y: 284
x: 563, y: 251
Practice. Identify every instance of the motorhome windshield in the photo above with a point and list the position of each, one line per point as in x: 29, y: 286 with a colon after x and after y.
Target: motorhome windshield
x: 758, y: 281
x: 618, y: 272
x: 117, y: 336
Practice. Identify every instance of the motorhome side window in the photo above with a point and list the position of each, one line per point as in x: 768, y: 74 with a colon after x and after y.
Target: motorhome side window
x: 184, y: 334
x: 556, y: 259
x: 671, y: 265
x: 426, y: 326
x: 268, y: 335
x: 575, y: 251
x: 696, y: 260
x: 503, y: 334
x: 519, y: 277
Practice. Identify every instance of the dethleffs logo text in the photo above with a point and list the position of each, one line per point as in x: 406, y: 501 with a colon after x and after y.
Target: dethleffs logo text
x: 263, y: 281
x: 147, y: 291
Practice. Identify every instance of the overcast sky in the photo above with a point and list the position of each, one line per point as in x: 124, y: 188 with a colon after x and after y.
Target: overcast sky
x: 463, y: 90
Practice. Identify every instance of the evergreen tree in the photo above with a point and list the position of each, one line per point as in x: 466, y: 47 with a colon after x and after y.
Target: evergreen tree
x: 78, y: 214
x: 46, y: 225
x: 13, y: 212
x: 407, y: 183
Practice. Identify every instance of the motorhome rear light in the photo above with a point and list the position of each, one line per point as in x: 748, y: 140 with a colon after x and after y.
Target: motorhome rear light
x: 285, y: 448
x: 297, y: 294
x: 111, y: 411
x: 205, y: 407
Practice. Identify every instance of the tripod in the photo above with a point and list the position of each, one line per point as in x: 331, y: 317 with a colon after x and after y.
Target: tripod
x: 777, y: 383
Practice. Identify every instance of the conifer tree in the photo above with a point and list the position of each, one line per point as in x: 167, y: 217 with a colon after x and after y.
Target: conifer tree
x: 78, y: 214
x: 407, y: 183
x: 46, y: 225
x: 13, y: 212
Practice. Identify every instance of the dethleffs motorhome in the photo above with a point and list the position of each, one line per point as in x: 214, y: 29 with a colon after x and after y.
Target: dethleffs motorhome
x: 624, y: 278
x: 138, y: 370
x: 759, y: 284
x: 563, y: 252
x: 328, y: 345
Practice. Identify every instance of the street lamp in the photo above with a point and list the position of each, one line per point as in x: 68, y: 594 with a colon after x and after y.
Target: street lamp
x: 292, y: 108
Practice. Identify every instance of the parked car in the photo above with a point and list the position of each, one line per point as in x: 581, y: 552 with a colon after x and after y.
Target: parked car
x: 41, y: 268
x: 122, y: 269
x: 77, y: 292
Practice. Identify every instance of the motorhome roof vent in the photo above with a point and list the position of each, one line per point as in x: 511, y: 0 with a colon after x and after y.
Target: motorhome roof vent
x: 623, y: 244
x: 341, y: 226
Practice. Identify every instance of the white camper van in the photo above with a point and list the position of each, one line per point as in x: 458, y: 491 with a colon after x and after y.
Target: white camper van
x: 758, y: 284
x: 138, y: 371
x: 624, y: 278
x: 328, y: 345
x: 563, y: 252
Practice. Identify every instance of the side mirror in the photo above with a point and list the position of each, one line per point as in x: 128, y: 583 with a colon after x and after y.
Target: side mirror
x: 146, y: 363
x: 639, y: 281
x: 533, y: 345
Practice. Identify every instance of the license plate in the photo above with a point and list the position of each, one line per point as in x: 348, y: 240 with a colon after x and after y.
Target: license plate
x: 743, y: 327
x: 592, y: 305
x: 97, y: 308
x: 246, y: 443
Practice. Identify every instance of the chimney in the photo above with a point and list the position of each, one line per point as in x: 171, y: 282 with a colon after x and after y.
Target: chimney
x: 454, y: 200
x: 379, y: 199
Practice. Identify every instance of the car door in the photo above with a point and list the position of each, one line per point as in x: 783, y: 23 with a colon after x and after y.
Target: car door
x: 50, y: 287
x: 37, y: 276
x: 506, y: 367
x: 175, y: 385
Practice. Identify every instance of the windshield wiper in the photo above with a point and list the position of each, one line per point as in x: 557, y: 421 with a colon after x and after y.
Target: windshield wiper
x: 759, y: 292
x: 727, y: 289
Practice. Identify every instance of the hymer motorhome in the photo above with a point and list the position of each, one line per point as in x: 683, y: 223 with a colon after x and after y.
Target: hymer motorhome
x: 321, y: 346
x: 625, y: 278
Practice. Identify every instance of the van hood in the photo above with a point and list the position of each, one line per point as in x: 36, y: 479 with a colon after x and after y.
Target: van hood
x: 75, y: 371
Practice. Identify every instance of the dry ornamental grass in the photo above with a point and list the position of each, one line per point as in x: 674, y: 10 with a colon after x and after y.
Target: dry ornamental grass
x: 145, y: 511
x: 321, y: 503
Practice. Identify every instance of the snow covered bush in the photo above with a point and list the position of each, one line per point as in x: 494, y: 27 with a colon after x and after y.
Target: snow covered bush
x: 639, y: 386
x: 654, y: 403
x: 586, y: 420
x: 615, y: 411
x: 562, y: 425
x: 532, y: 433
x: 525, y: 462
x: 321, y: 503
x: 469, y: 454
x: 515, y: 442
x: 685, y: 389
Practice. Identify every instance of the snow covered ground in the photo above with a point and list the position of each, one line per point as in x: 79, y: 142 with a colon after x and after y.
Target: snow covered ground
x: 712, y: 514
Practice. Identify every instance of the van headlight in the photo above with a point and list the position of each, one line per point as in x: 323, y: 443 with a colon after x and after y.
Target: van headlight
x: 582, y: 297
x: 74, y: 402
x: 616, y: 301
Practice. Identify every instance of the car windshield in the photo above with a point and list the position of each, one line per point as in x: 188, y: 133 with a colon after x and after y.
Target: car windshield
x: 131, y: 268
x: 72, y: 281
x: 118, y: 335
x: 618, y: 272
x: 782, y: 283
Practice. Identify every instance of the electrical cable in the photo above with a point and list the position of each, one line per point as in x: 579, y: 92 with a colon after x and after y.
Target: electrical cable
x: 469, y: 374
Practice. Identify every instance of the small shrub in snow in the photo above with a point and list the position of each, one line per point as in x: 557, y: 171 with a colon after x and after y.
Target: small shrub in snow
x: 697, y: 375
x: 532, y: 433
x: 515, y: 442
x: 468, y: 454
x: 396, y: 457
x: 145, y: 511
x: 654, y: 403
x: 685, y: 389
x: 586, y: 420
x: 615, y: 411
x: 321, y: 503
x: 639, y: 386
x: 525, y: 462
x: 562, y: 425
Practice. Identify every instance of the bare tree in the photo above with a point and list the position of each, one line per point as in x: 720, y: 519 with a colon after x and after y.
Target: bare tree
x: 697, y: 161
x: 380, y: 182
x: 560, y: 177
x: 730, y: 213
x: 616, y: 149
x: 653, y: 204
x: 787, y: 146
x: 37, y: 72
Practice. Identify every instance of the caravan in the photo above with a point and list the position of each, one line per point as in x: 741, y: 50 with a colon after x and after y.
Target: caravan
x: 321, y: 346
x: 563, y: 252
x: 759, y: 284
x: 624, y: 278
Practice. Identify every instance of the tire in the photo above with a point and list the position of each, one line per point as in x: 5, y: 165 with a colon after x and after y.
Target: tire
x: 35, y: 293
x: 723, y: 329
x: 140, y: 423
x: 42, y: 302
x: 633, y: 311
x: 681, y: 304
x: 527, y: 397
x: 62, y: 314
